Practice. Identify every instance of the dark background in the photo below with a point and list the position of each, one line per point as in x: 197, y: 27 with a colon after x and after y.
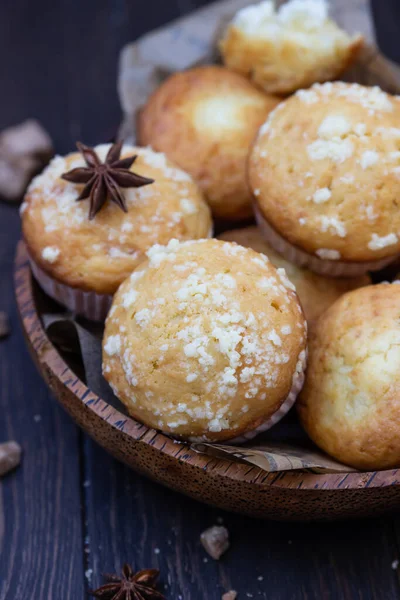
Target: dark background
x: 70, y: 508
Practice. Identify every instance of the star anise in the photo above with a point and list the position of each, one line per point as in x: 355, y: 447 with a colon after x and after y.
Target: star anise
x: 103, y: 180
x: 131, y: 586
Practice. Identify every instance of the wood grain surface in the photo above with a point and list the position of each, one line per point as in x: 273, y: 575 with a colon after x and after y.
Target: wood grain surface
x: 71, y: 508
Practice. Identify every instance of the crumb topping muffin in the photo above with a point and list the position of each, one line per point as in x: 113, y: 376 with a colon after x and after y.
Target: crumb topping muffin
x: 316, y: 293
x: 99, y: 254
x: 288, y: 48
x: 350, y: 404
x: 325, y: 173
x: 205, y: 340
x: 205, y: 119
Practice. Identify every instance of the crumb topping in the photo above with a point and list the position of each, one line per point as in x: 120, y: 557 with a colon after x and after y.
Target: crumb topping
x: 336, y: 150
x: 333, y: 225
x: 298, y: 15
x: 369, y: 158
x: 377, y: 242
x: 360, y: 129
x: 371, y: 98
x: 158, y: 160
x: 158, y: 253
x: 50, y: 253
x: 334, y: 126
x: 113, y: 345
x: 322, y: 195
x: 126, y: 227
x: 307, y: 96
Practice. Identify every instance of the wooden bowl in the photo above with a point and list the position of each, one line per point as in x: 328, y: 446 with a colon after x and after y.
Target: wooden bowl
x: 232, y: 486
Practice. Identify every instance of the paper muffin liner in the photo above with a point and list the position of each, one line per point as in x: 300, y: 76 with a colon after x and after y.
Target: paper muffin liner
x: 297, y: 385
x: 329, y: 268
x: 90, y: 305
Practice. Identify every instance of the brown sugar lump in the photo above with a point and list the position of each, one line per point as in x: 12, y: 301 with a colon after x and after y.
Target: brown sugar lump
x: 205, y: 119
x: 81, y: 258
x: 350, y: 404
x: 325, y: 174
x: 316, y: 293
x: 24, y: 150
x: 288, y: 48
x: 206, y: 340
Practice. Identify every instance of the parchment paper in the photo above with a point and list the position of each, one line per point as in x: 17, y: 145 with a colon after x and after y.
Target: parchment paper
x: 143, y: 65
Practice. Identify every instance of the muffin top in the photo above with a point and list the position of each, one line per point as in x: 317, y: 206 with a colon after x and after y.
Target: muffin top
x: 205, y: 119
x: 316, y: 293
x: 325, y: 172
x: 99, y: 254
x: 286, y: 48
x: 204, y: 340
x: 350, y: 404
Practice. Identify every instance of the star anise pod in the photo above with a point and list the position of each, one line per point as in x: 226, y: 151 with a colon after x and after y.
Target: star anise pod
x: 131, y: 586
x: 104, y: 180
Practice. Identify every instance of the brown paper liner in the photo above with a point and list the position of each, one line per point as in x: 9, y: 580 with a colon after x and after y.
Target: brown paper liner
x: 329, y: 268
x: 90, y: 305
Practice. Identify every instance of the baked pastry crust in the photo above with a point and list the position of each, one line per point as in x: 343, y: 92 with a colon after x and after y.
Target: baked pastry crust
x: 206, y: 119
x: 205, y: 340
x: 350, y: 404
x: 98, y: 255
x: 325, y: 172
x: 289, y: 49
x: 316, y: 293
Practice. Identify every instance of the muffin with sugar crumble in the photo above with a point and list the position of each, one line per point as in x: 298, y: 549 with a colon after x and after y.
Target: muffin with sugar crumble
x: 206, y: 340
x: 89, y: 218
x: 282, y: 50
x: 325, y: 175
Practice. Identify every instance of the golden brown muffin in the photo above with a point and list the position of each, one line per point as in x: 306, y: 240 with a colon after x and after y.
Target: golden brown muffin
x: 325, y: 173
x: 98, y: 254
x: 350, y: 404
x: 205, y: 119
x: 316, y: 293
x: 206, y: 340
x: 289, y: 48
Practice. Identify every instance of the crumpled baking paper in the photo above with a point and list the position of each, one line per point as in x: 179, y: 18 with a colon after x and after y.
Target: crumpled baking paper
x: 143, y: 65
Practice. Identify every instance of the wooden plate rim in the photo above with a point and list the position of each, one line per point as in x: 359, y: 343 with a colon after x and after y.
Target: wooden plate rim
x: 48, y: 355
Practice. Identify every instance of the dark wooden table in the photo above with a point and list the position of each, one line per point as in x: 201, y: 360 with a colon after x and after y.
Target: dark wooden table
x: 71, y: 512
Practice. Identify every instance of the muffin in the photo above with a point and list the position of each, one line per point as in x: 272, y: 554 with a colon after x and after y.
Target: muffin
x: 206, y: 119
x: 80, y: 258
x: 325, y: 174
x: 350, y: 404
x: 283, y: 50
x: 316, y: 293
x: 206, y: 340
